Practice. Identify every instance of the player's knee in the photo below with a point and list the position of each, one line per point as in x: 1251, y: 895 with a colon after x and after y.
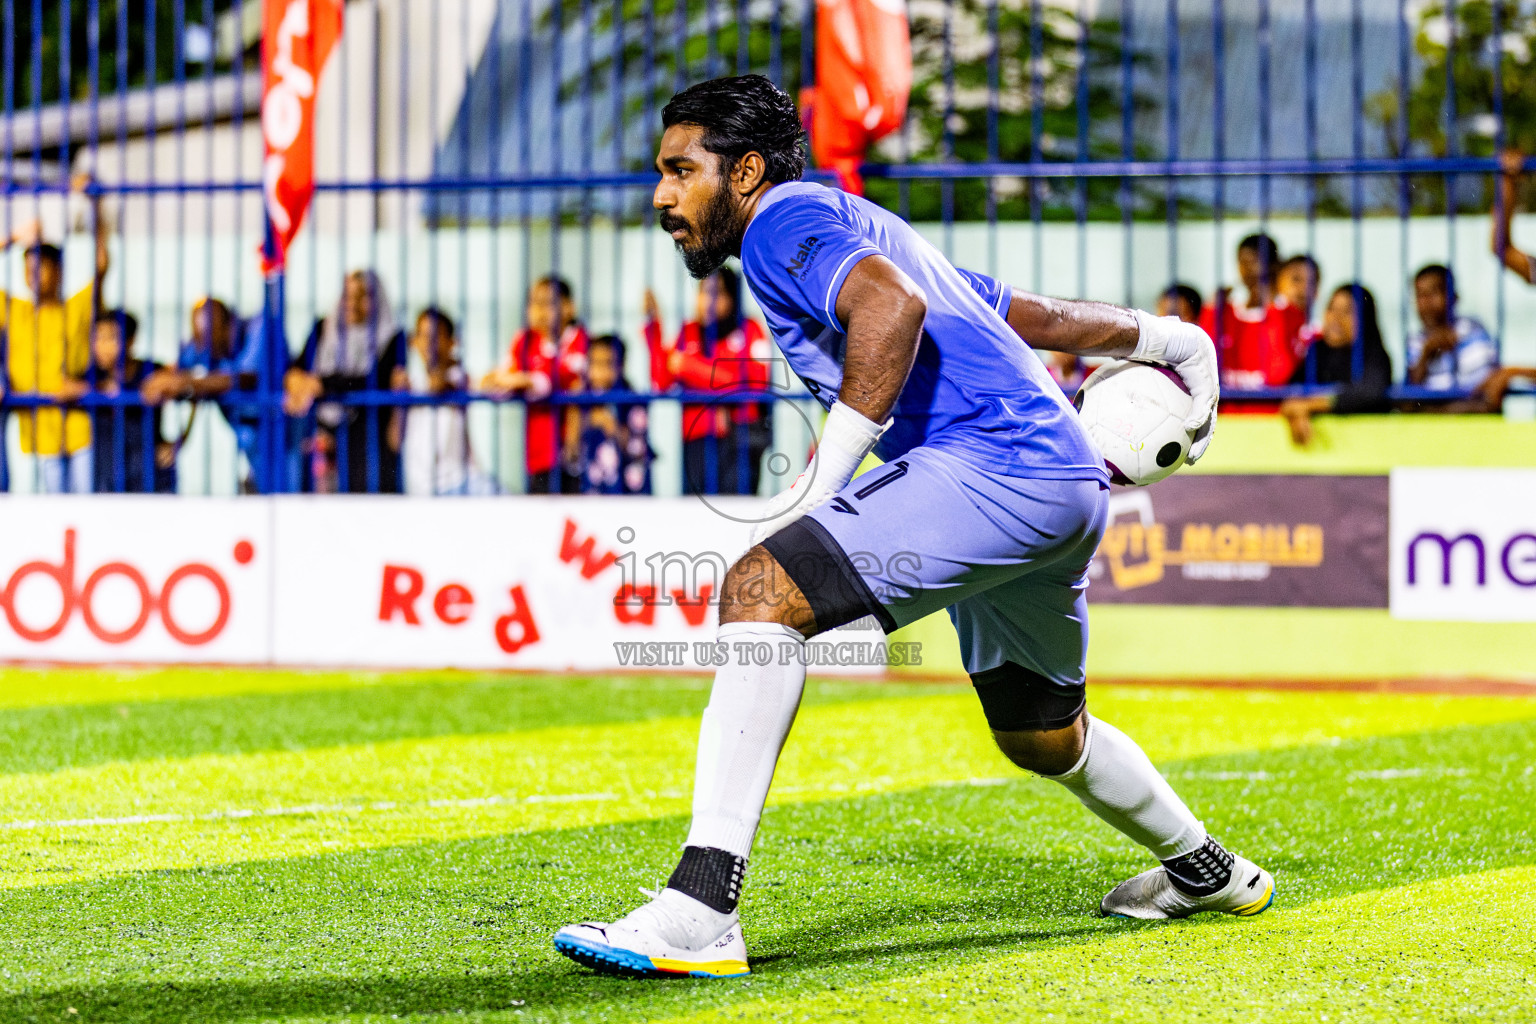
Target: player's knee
x: 1044, y: 751
x: 1038, y: 721
x: 757, y: 589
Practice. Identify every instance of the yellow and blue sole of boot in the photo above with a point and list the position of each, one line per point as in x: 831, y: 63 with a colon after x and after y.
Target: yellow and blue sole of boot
x: 607, y: 959
x: 1259, y: 905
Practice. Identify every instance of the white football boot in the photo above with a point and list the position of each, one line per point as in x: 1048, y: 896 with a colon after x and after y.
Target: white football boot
x: 1152, y: 895
x: 674, y: 935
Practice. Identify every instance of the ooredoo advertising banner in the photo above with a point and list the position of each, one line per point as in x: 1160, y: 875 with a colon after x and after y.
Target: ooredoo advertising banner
x: 1464, y: 544
x: 538, y: 583
x: 136, y: 579
x: 1278, y: 541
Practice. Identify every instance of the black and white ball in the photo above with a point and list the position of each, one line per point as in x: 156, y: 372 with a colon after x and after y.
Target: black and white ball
x: 1134, y: 413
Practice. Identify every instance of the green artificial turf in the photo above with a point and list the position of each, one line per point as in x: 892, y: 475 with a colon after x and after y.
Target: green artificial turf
x: 1401, y: 831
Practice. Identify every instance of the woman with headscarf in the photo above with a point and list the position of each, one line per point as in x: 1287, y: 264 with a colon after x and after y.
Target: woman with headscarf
x: 1349, y: 354
x: 356, y: 348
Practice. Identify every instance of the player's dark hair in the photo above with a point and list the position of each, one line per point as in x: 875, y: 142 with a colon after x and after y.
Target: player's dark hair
x: 1446, y: 275
x: 127, y: 324
x: 443, y: 321
x: 1180, y: 291
x: 1267, y: 250
x: 741, y: 115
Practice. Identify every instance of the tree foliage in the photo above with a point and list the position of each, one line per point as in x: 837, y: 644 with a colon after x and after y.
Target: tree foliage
x: 1470, y: 53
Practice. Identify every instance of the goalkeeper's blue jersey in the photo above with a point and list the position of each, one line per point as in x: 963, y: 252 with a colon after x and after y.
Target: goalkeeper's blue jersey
x: 975, y: 386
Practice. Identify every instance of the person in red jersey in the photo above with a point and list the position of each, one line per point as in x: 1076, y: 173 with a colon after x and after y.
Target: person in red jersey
x: 548, y: 355
x: 1255, y: 339
x: 718, y: 350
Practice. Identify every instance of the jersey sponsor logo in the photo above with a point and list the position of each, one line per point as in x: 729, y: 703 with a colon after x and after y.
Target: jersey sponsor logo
x: 805, y: 255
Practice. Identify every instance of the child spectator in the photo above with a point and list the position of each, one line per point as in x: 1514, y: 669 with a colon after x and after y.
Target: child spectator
x: 1297, y: 287
x: 615, y: 455
x: 1351, y: 355
x: 131, y: 454
x: 226, y: 355
x: 1182, y: 301
x: 719, y: 350
x: 1255, y: 341
x: 1449, y: 352
x: 433, y: 440
x: 49, y: 353
x: 548, y: 355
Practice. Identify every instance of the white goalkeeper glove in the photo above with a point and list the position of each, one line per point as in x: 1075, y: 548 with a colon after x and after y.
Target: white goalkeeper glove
x: 1188, y: 350
x: 845, y: 440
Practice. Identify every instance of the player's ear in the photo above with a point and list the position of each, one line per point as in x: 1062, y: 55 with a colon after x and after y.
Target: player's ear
x: 748, y: 173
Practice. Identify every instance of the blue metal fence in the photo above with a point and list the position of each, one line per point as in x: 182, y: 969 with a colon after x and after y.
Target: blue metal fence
x: 470, y: 150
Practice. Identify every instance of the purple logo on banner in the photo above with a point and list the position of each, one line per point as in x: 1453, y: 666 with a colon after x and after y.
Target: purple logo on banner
x: 1309, y: 541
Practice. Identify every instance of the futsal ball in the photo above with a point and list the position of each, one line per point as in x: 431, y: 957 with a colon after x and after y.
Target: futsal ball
x: 1134, y: 413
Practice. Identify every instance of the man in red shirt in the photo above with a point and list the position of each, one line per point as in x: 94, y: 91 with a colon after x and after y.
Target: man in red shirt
x: 1255, y: 341
x: 719, y: 350
x: 549, y: 355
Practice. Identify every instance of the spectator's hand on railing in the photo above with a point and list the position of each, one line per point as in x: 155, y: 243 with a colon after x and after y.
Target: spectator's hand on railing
x: 165, y: 455
x: 72, y: 389
x: 502, y: 382
x: 164, y: 385
x: 1496, y: 386
x: 300, y: 389
x: 1298, y: 413
x: 400, y: 380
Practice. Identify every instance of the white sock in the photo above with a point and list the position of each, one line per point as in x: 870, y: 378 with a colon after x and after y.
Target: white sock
x: 751, y: 708
x: 1116, y: 781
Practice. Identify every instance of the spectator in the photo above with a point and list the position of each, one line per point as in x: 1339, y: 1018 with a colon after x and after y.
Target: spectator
x: 719, y: 350
x: 1449, y: 352
x: 49, y: 353
x: 1182, y: 301
x: 433, y: 440
x: 548, y: 355
x: 615, y: 453
x: 357, y: 348
x: 1513, y: 166
x: 1255, y: 341
x: 130, y: 453
x: 1297, y: 285
x: 1351, y: 357
x: 224, y: 356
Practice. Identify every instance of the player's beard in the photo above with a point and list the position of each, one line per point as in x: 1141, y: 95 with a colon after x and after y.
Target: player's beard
x: 713, y: 239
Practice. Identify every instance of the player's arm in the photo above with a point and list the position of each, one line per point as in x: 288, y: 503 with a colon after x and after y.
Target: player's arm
x: 1063, y: 325
x: 881, y: 311
x: 1100, y: 329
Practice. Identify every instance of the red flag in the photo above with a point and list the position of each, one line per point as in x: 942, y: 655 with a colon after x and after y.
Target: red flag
x: 863, y: 79
x: 297, y: 38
